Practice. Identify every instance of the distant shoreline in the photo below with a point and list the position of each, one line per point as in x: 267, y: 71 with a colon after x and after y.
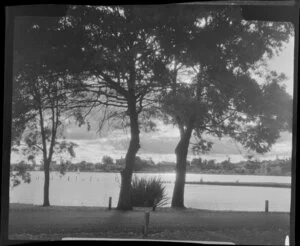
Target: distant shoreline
x: 162, y: 172
x: 197, y: 166
x: 255, y: 184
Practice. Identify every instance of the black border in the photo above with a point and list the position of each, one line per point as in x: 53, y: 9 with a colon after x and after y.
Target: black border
x: 259, y: 10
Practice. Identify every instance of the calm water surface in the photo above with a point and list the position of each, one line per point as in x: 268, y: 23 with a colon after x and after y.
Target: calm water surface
x: 94, y: 189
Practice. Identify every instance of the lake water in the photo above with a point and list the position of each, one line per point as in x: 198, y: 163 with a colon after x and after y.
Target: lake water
x: 94, y: 189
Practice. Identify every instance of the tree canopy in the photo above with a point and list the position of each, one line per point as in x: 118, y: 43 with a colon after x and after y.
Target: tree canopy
x: 211, y: 88
x: 40, y: 89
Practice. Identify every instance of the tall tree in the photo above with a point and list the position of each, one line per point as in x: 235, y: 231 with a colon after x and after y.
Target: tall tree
x: 120, y: 68
x: 40, y: 94
x: 218, y: 51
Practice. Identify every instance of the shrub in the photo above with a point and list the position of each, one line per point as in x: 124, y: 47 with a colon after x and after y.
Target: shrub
x: 146, y: 191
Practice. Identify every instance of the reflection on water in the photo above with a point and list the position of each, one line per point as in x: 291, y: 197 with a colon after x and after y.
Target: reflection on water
x: 94, y: 189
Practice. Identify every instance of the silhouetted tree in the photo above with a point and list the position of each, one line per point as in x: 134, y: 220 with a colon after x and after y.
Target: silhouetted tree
x: 120, y: 69
x: 218, y: 51
x: 40, y: 93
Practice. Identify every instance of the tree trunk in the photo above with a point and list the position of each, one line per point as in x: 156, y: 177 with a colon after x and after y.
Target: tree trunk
x: 181, y: 152
x: 125, y: 201
x: 46, y: 202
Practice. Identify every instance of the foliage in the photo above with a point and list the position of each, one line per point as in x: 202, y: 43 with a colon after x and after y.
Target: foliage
x: 145, y: 192
x: 107, y: 160
x: 40, y: 90
x: 120, y: 68
x: 141, y: 164
x: 20, y: 172
x: 211, y: 164
x: 211, y: 90
x: 227, y: 165
x: 198, y: 165
x: 286, y: 166
x: 120, y: 64
x: 198, y: 162
x: 219, y: 96
x: 252, y: 165
x: 276, y: 167
x: 64, y: 167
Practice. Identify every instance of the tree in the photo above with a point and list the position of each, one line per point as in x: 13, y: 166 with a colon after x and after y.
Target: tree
x: 227, y: 165
x: 107, y: 160
x: 219, y: 52
x: 120, y: 69
x: 40, y: 83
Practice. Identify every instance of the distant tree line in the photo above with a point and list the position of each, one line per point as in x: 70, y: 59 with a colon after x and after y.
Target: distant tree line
x: 196, y: 165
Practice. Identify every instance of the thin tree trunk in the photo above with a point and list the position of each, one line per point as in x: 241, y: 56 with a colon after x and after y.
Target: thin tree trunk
x: 181, y: 152
x: 46, y: 202
x: 125, y: 201
x: 47, y: 160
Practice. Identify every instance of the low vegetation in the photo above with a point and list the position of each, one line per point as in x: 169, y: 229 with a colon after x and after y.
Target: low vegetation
x: 148, y: 192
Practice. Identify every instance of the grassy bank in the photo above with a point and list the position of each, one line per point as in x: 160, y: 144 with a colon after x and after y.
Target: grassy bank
x: 255, y: 184
x: 56, y: 222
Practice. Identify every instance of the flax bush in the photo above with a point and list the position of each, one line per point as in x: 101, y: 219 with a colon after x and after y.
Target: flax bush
x: 146, y: 192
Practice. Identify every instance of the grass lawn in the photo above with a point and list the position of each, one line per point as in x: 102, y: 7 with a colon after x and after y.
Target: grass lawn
x: 30, y: 222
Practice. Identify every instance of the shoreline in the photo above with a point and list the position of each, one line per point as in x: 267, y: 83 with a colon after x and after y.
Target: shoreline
x: 17, y: 206
x: 170, y: 172
x: 252, y: 184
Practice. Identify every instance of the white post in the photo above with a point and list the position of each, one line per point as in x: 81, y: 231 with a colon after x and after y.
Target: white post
x: 287, y: 240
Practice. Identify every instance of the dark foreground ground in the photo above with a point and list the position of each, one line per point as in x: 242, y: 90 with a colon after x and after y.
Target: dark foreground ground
x: 30, y: 222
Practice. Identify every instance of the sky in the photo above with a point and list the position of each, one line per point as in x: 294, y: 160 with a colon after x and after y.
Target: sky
x: 160, y: 145
x: 285, y: 63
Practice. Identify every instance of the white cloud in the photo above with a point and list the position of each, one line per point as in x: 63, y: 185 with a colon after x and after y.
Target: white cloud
x: 160, y: 148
